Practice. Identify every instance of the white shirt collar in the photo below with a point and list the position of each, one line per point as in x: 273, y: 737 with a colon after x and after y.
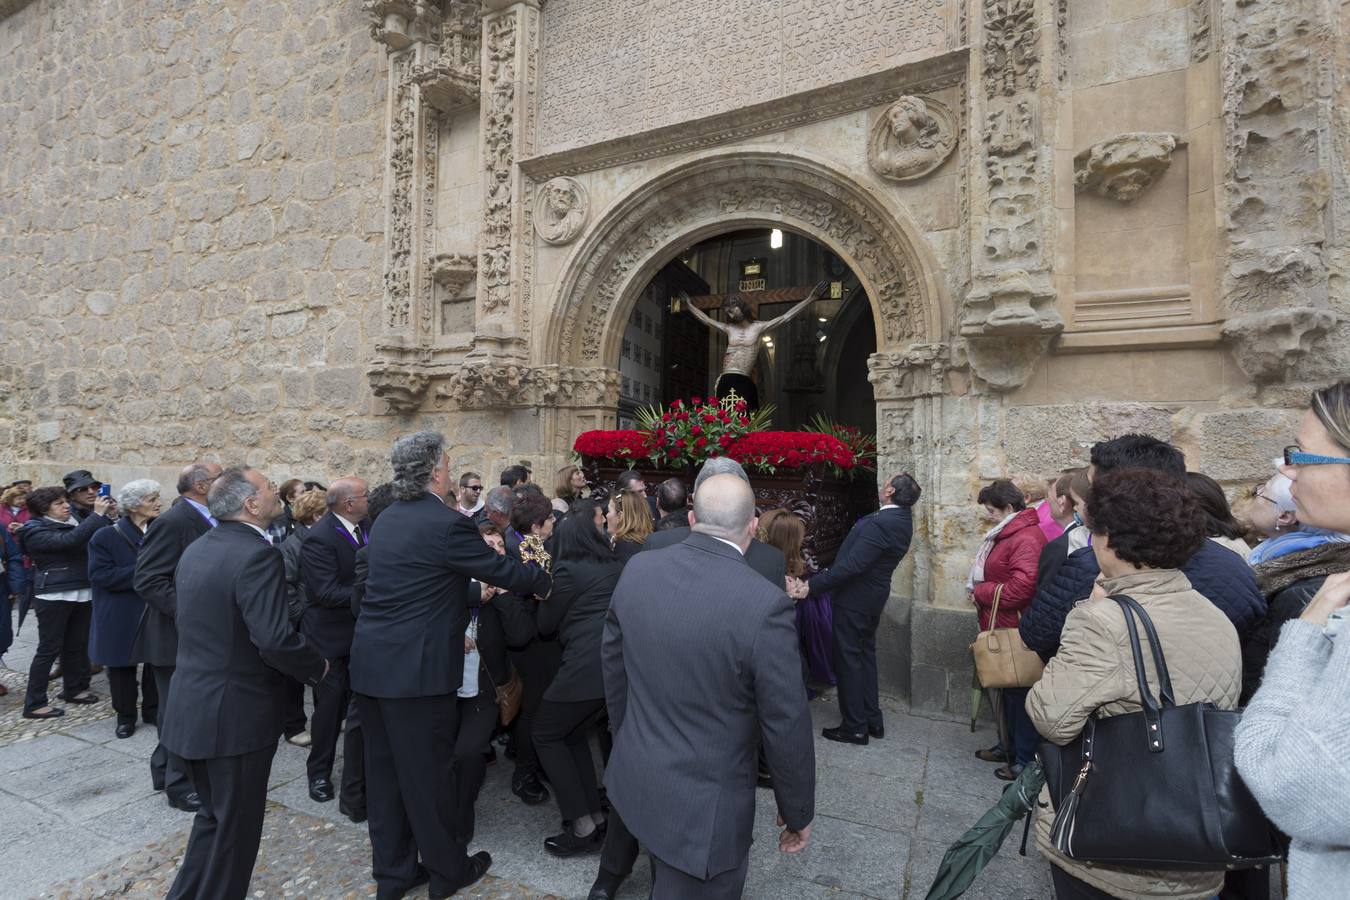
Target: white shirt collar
x: 262, y: 534
x: 343, y: 520
x: 890, y: 506
x: 730, y: 544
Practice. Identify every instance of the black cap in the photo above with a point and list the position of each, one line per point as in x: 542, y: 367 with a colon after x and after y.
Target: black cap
x: 79, y: 480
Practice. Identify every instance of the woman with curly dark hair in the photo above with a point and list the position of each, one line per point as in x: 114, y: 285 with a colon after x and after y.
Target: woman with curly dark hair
x: 1145, y: 525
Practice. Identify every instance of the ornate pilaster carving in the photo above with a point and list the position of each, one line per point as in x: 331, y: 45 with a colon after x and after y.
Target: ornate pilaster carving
x: 1198, y: 15
x: 1008, y: 316
x: 920, y: 370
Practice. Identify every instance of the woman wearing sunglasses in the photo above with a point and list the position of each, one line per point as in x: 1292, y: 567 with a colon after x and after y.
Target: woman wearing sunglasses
x: 1293, y: 747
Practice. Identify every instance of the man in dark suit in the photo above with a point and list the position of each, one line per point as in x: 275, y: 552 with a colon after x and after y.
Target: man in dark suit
x: 228, y: 704
x: 327, y: 568
x: 700, y: 659
x: 767, y: 561
x: 407, y: 663
x: 157, y: 639
x: 859, y: 583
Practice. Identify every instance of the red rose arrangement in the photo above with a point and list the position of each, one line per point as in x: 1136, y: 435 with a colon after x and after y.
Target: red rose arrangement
x: 769, y: 451
x: 614, y: 444
x: 690, y: 433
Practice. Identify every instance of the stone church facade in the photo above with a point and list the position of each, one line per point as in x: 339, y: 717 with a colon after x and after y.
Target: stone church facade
x: 285, y: 232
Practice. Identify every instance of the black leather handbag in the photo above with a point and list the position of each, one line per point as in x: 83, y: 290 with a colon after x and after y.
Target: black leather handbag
x: 1156, y: 789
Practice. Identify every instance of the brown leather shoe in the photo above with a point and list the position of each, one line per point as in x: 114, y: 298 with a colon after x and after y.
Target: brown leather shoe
x: 993, y: 755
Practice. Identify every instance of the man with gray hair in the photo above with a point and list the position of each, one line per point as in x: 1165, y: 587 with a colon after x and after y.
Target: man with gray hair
x: 700, y: 659
x: 497, y: 508
x: 157, y: 640
x: 227, y: 707
x: 407, y: 664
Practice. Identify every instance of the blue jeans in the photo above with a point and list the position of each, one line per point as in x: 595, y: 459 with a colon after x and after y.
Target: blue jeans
x: 1022, y: 735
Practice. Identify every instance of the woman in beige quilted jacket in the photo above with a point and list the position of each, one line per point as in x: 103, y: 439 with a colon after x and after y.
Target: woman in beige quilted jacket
x: 1145, y: 524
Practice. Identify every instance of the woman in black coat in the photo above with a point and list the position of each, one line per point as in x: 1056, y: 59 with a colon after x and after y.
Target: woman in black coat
x: 117, y: 608
x: 58, y: 546
x: 585, y: 571
x: 498, y: 621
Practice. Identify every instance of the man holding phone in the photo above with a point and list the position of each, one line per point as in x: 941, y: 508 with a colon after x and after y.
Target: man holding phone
x: 81, y: 488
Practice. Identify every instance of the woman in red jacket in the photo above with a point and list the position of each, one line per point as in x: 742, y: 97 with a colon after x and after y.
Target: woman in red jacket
x: 1008, y: 559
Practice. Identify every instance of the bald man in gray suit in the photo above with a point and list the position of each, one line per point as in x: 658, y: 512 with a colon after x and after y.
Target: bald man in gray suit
x: 700, y: 657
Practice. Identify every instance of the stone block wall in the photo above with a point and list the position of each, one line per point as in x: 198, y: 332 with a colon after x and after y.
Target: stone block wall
x: 190, y: 235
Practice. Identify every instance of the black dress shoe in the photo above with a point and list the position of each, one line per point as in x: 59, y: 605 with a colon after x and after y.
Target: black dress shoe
x: 478, y: 866
x: 844, y: 737
x: 876, y: 731
x: 126, y: 731
x: 568, y: 844
x: 764, y: 779
x: 320, y: 789
x: 606, y: 886
x: 187, y: 803
x: 490, y: 756
x: 530, y: 791
x: 356, y: 815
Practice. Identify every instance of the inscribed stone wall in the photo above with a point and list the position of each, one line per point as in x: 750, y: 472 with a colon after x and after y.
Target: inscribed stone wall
x: 663, y: 62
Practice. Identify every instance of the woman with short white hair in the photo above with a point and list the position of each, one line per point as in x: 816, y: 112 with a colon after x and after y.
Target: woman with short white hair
x: 118, y: 608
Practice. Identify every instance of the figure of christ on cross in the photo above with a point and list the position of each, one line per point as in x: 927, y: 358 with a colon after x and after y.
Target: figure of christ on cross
x: 743, y: 333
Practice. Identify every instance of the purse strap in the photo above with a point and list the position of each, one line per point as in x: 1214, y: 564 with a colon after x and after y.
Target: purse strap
x: 1152, y: 707
x: 993, y: 613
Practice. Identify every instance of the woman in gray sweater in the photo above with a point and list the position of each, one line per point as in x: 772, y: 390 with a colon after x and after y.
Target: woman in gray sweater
x: 1293, y: 746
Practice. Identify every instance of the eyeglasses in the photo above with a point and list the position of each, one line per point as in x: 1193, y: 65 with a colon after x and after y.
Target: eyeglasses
x: 472, y: 487
x: 354, y: 497
x: 1259, y: 493
x: 1293, y: 456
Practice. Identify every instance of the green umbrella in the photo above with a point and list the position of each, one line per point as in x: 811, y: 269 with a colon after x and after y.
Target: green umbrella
x: 976, y: 697
x: 972, y: 851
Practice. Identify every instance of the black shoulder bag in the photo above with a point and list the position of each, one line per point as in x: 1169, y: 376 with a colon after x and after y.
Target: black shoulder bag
x: 1156, y: 789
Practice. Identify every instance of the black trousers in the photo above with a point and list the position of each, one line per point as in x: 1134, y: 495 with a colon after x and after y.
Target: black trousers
x: 223, y: 846
x: 855, y: 668
x: 296, y: 720
x: 352, y: 791
x: 63, y: 631
x: 621, y: 848
x: 330, y: 708
x: 411, y: 791
x: 169, y: 772
x: 562, y: 731
x: 669, y: 883
x: 743, y: 385
x: 538, y: 663
x: 122, y: 684
x: 1246, y: 884
x: 477, y: 720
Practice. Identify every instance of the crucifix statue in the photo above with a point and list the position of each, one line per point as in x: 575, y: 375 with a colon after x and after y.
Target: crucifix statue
x: 743, y: 333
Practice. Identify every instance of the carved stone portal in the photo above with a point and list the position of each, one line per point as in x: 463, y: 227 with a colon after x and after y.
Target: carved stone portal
x: 562, y: 209
x: 912, y: 139
x: 1125, y: 166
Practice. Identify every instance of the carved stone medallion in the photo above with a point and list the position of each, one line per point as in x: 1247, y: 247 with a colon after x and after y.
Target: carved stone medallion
x: 912, y: 139
x: 1126, y: 165
x: 561, y: 211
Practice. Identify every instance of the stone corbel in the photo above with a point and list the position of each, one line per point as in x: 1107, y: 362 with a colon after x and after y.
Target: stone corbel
x: 920, y: 370
x: 398, y: 24
x: 450, y: 82
x: 1267, y: 345
x: 1125, y: 166
x: 1008, y: 323
x: 453, y: 271
x: 401, y: 385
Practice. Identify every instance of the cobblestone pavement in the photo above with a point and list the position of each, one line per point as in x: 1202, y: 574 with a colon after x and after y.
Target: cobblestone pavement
x: 78, y: 819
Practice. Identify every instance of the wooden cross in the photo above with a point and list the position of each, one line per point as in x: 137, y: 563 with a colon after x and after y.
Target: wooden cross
x: 710, y: 302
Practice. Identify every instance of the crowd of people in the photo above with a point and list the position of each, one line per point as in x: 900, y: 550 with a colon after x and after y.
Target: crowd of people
x: 433, y: 621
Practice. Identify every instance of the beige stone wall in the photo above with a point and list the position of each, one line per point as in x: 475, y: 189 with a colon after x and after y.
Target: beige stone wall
x: 191, y: 223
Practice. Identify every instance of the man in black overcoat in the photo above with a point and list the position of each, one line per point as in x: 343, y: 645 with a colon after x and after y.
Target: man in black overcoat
x: 407, y: 663
x: 228, y: 704
x: 859, y: 584
x: 328, y: 568
x: 157, y: 638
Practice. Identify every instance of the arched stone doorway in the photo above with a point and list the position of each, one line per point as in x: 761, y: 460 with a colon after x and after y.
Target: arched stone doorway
x: 746, y: 188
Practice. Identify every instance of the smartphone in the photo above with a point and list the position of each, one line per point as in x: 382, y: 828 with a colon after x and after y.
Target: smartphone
x: 105, y: 490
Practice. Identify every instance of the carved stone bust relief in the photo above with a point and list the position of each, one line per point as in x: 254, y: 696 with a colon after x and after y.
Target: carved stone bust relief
x: 912, y: 139
x: 561, y: 210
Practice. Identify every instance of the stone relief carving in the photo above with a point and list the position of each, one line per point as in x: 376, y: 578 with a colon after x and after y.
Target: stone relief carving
x: 1013, y: 229
x: 913, y: 138
x: 402, y: 148
x: 1011, y: 58
x: 398, y: 24
x: 1269, y: 344
x: 1198, y: 13
x: 561, y: 210
x: 402, y: 387
x: 481, y: 385
x: 449, y: 83
x: 453, y: 271
x: 494, y: 276
x: 1125, y: 166
x: 1007, y: 323
x: 920, y: 370
x: 755, y: 190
